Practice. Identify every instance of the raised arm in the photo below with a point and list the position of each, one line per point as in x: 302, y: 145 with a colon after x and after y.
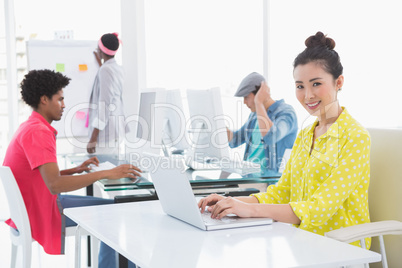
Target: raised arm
x: 263, y: 96
x: 97, y: 57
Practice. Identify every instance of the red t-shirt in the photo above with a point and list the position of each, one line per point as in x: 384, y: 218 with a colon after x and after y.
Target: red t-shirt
x: 33, y: 145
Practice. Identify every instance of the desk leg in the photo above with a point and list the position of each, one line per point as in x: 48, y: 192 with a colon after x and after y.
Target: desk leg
x: 77, y: 247
x: 89, y: 251
x: 90, y: 192
x: 123, y: 262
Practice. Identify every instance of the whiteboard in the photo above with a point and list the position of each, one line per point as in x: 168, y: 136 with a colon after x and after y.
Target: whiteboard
x: 74, y: 59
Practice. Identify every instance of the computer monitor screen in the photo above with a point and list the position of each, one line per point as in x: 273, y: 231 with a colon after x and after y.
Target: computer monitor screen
x: 162, y: 121
x: 174, y: 133
x: 150, y: 118
x: 208, y: 127
x: 147, y: 99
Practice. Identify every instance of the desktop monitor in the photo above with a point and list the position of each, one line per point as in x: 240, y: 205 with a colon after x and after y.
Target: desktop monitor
x: 162, y: 121
x: 150, y: 118
x: 208, y: 128
x: 174, y: 134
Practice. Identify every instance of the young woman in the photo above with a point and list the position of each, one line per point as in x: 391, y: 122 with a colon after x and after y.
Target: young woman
x: 325, y: 183
x: 106, y: 117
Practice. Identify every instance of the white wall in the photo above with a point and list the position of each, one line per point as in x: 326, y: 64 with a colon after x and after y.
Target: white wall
x: 368, y: 39
x: 217, y: 43
x: 134, y: 56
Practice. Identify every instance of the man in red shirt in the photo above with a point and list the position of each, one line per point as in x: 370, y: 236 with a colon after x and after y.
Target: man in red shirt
x: 31, y: 155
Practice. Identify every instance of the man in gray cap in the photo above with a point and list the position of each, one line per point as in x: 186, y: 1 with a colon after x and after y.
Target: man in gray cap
x: 271, y: 127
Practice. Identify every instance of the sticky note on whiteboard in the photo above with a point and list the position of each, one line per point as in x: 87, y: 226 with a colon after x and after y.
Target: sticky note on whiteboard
x: 80, y: 115
x: 60, y: 67
x: 82, y: 67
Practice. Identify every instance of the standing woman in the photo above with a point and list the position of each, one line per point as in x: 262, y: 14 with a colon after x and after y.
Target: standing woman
x: 106, y: 115
x: 325, y: 183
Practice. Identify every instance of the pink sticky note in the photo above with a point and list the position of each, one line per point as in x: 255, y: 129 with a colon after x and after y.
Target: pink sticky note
x: 80, y: 115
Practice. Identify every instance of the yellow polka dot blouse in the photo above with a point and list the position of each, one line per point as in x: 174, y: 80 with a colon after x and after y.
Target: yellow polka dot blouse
x: 327, y: 189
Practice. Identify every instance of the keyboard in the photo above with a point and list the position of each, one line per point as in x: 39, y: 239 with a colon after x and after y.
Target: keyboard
x: 202, y: 166
x: 231, y: 166
x: 206, y: 217
x: 103, y: 166
x: 107, y: 165
x: 240, y: 167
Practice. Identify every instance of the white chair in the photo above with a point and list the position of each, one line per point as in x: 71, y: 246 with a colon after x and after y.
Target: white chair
x: 18, y: 213
x: 385, y: 199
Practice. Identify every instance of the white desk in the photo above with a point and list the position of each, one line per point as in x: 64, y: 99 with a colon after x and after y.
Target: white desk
x: 145, y: 235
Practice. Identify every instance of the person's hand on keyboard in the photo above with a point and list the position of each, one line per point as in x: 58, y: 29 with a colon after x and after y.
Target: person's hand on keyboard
x: 231, y: 205
x: 123, y: 171
x: 116, y: 172
x: 209, y: 202
x: 220, y: 206
x: 86, y: 165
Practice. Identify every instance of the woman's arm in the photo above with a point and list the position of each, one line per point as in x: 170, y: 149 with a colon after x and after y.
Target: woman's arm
x: 247, y: 207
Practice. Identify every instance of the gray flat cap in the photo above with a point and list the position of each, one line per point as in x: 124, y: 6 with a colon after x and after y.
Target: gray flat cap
x: 249, y: 84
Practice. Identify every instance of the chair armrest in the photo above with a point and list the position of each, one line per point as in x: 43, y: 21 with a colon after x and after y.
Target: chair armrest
x: 360, y: 231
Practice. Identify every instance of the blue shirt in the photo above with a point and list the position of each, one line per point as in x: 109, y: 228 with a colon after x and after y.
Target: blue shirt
x: 280, y: 137
x: 257, y: 151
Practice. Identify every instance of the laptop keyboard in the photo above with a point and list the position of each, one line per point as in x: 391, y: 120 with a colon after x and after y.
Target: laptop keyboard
x: 206, y: 217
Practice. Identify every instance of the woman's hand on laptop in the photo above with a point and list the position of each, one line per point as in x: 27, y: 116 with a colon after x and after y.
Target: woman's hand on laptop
x: 123, y: 171
x: 209, y: 201
x: 230, y: 205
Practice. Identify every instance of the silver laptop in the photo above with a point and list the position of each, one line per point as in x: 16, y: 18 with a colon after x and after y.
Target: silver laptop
x: 177, y: 198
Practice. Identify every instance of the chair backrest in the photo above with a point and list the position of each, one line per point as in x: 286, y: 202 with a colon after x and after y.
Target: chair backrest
x: 385, y: 191
x: 19, y: 215
x: 18, y: 212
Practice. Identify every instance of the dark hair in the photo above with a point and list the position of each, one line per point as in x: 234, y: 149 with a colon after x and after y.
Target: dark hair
x: 38, y: 83
x: 320, y: 49
x: 256, y: 89
x: 110, y: 41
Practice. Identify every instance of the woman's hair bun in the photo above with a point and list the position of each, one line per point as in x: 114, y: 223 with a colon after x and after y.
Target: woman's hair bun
x: 320, y: 48
x: 319, y: 40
